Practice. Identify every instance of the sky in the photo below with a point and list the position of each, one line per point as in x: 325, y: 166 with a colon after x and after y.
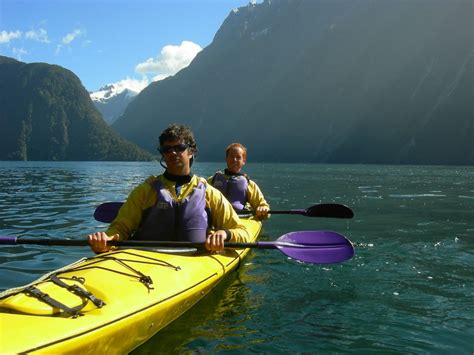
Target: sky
x: 127, y: 42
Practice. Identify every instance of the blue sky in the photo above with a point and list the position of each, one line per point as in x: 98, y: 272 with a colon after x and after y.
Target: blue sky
x: 109, y: 41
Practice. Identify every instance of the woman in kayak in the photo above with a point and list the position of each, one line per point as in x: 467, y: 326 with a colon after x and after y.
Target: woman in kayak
x: 236, y: 186
x: 174, y: 205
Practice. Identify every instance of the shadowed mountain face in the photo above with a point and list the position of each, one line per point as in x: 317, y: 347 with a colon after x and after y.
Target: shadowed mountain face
x: 326, y: 81
x: 46, y: 114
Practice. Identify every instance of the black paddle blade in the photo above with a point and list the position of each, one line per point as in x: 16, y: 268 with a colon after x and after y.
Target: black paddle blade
x: 329, y: 210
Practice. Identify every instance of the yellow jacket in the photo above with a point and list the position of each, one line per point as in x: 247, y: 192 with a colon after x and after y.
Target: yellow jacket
x: 223, y: 216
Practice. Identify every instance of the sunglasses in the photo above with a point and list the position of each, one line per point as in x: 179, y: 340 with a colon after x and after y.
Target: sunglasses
x: 178, y: 148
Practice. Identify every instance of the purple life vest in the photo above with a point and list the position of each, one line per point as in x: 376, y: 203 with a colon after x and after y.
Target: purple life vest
x: 234, y: 188
x: 175, y: 221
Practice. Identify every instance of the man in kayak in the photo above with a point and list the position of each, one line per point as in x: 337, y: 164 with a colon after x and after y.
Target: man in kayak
x: 236, y: 186
x: 176, y: 205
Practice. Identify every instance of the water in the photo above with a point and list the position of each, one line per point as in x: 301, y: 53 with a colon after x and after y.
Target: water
x: 409, y: 288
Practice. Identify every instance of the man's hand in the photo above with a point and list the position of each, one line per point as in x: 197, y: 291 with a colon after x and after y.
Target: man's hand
x: 215, y: 241
x: 98, y: 241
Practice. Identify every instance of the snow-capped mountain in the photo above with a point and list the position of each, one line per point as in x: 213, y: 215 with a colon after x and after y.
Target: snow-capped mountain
x: 112, y: 100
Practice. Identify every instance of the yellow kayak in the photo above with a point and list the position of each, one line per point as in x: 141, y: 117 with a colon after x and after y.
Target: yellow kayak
x: 110, y: 303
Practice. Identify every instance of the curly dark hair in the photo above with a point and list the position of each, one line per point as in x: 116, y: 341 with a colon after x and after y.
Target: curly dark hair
x: 179, y: 132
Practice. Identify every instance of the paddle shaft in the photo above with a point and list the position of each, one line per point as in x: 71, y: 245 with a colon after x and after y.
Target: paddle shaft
x: 328, y: 210
x: 246, y: 213
x: 106, y: 212
x: 302, y: 212
x: 7, y: 240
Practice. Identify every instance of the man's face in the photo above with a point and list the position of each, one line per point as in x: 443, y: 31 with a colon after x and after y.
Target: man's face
x: 177, y: 156
x: 235, y: 159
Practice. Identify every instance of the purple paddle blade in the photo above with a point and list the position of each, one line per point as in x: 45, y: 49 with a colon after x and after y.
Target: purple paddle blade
x: 107, y: 211
x: 7, y: 239
x: 317, y: 247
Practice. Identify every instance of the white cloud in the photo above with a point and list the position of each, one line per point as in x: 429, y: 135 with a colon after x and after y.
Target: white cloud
x: 6, y: 37
x: 41, y: 35
x: 170, y: 60
x: 131, y: 84
x: 19, y: 53
x: 159, y: 77
x: 67, y: 39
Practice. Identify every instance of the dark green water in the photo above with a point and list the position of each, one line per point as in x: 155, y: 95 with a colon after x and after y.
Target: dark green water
x: 409, y: 289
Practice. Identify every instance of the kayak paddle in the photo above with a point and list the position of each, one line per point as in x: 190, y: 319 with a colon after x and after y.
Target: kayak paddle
x: 107, y: 211
x: 315, y: 247
x: 329, y: 210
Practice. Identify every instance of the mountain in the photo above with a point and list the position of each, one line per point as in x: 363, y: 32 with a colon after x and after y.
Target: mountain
x: 46, y: 114
x: 338, y: 81
x: 111, y: 101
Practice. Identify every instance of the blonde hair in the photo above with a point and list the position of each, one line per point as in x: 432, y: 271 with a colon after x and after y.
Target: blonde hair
x: 236, y: 145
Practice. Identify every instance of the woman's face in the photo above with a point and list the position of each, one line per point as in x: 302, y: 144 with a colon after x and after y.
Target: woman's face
x: 235, y: 159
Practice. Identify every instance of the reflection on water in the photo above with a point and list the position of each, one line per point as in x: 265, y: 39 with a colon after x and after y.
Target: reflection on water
x: 223, y: 313
x: 409, y: 286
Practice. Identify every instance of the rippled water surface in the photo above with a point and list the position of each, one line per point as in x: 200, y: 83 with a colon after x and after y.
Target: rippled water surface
x: 409, y: 288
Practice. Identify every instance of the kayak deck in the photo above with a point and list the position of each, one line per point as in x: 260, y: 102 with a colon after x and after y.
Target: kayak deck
x: 142, y: 291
